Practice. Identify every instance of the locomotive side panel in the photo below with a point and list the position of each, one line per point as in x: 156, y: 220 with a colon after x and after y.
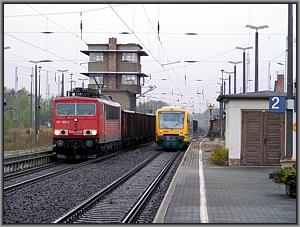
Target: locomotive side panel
x: 112, y: 125
x: 101, y: 121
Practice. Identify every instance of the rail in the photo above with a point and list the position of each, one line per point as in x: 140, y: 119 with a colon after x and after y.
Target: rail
x: 137, y: 208
x: 26, y: 163
x: 73, y: 214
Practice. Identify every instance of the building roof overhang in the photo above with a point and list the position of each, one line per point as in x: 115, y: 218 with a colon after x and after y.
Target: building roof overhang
x: 119, y: 73
x: 250, y: 95
x: 140, y: 52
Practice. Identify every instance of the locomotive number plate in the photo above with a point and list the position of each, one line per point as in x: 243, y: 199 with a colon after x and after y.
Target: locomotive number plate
x: 62, y: 122
x: 75, y: 132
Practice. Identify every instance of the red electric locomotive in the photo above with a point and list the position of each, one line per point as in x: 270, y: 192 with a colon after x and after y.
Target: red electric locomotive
x: 85, y: 123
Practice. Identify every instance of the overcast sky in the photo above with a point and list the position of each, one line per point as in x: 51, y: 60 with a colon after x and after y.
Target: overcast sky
x: 219, y: 27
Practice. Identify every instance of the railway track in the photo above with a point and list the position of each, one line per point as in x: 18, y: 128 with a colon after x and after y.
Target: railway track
x: 57, y: 172
x: 17, y: 174
x: 54, y: 173
x: 118, y: 203
x: 17, y: 163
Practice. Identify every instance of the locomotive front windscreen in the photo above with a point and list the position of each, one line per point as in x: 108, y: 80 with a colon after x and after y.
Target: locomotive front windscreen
x: 168, y: 120
x: 75, y: 109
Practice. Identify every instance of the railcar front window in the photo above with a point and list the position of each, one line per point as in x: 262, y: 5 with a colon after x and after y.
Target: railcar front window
x: 168, y: 120
x: 65, y: 109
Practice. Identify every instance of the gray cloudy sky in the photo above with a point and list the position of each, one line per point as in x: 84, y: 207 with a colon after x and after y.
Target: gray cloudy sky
x: 219, y: 27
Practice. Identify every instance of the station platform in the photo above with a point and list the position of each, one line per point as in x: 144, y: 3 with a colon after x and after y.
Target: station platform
x: 202, y: 192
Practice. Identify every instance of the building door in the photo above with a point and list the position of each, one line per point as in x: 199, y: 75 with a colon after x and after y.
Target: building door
x: 262, y: 138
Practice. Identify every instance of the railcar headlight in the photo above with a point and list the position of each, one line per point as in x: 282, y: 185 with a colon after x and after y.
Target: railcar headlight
x: 94, y: 132
x: 56, y: 132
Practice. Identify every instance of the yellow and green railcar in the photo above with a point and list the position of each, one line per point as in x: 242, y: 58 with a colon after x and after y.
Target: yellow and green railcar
x: 173, y: 127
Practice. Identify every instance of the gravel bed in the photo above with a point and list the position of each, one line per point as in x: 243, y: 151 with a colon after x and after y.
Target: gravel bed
x: 51, y: 198
x: 114, y: 206
x: 149, y: 212
x: 38, y: 173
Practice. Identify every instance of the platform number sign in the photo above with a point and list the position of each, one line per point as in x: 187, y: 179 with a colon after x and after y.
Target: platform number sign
x: 277, y: 103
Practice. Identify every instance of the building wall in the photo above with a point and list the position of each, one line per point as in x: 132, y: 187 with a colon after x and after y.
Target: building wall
x: 126, y: 99
x: 128, y: 66
x: 234, y: 124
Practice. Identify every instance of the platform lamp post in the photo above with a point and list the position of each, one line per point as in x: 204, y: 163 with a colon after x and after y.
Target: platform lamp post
x: 71, y: 81
x: 229, y: 81
x: 36, y: 99
x: 244, y: 65
x: 39, y: 98
x: 62, y: 80
x: 256, y: 50
x: 82, y: 81
x: 210, y: 108
x: 220, y: 110
x: 234, y: 75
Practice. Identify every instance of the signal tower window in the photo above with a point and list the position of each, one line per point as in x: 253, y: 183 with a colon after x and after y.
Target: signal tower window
x: 96, y: 57
x: 98, y: 77
x: 129, y: 79
x: 129, y: 57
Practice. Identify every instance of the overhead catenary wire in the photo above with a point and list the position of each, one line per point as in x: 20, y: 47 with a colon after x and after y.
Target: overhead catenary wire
x: 28, y: 43
x: 157, y: 35
x: 63, y: 13
x: 57, y: 24
x: 142, y: 43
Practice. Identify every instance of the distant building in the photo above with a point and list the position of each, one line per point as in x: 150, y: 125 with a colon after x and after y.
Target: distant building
x: 279, y: 83
x: 117, y: 70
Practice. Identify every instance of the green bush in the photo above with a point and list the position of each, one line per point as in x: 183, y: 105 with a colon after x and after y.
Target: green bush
x: 215, y: 134
x: 219, y: 156
x: 286, y: 175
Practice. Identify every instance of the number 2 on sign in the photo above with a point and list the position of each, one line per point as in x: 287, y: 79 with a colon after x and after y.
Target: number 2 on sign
x: 274, y: 106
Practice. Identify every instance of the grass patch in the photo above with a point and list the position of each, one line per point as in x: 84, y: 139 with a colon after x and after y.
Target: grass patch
x: 20, y: 139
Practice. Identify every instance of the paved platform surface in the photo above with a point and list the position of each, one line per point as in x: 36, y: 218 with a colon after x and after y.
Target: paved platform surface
x: 202, y: 192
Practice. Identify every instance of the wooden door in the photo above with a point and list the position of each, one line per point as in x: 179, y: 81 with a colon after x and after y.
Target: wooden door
x: 274, y: 130
x: 262, y: 138
x: 252, y: 138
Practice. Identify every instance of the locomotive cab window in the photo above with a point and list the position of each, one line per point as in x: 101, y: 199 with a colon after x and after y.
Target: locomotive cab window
x: 84, y: 109
x: 75, y: 109
x: 170, y: 120
x: 65, y: 109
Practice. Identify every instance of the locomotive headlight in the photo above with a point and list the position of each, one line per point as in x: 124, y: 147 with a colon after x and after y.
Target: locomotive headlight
x: 90, y: 132
x: 56, y: 132
x: 63, y: 132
